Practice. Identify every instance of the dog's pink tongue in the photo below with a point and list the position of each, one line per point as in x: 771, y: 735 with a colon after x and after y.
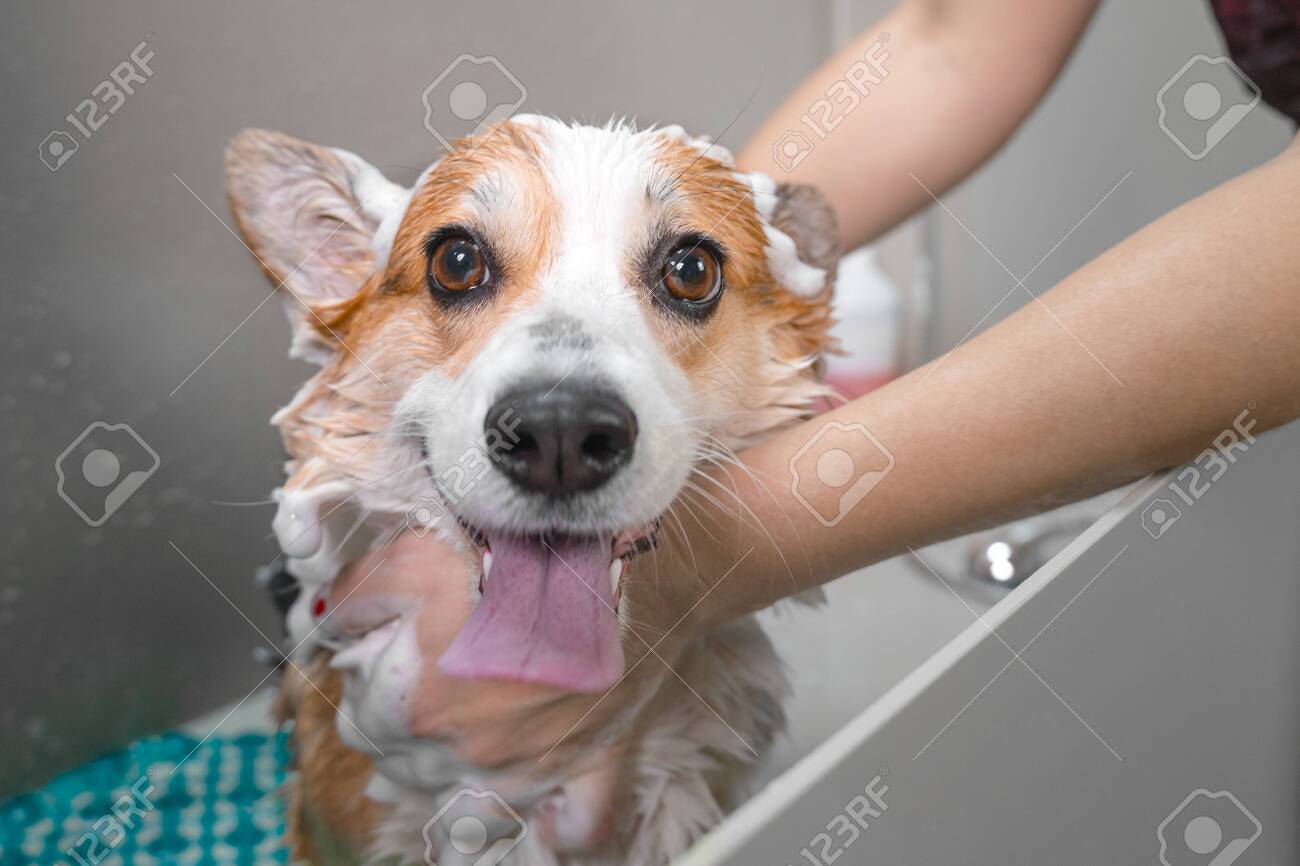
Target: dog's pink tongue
x: 546, y: 616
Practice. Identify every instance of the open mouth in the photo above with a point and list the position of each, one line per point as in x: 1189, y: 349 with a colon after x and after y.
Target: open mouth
x: 548, y: 612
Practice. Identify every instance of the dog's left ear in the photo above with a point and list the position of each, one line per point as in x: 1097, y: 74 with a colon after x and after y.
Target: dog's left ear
x: 805, y: 216
x: 311, y: 215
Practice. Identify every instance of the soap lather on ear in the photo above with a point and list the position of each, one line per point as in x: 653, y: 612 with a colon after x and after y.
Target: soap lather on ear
x: 312, y: 216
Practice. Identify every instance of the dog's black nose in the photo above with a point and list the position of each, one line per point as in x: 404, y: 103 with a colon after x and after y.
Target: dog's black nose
x: 560, y: 439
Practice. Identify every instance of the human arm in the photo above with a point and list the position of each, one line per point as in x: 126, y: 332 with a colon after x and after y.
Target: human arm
x: 1132, y: 364
x: 961, y: 76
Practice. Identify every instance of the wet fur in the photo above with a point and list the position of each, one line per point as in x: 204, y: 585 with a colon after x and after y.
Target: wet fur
x: 687, y: 767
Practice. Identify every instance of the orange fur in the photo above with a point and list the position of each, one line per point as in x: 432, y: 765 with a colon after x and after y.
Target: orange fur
x: 327, y: 795
x: 746, y: 358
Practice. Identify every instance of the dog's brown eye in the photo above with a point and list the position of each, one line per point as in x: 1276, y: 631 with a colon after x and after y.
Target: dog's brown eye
x: 692, y: 273
x: 456, y: 264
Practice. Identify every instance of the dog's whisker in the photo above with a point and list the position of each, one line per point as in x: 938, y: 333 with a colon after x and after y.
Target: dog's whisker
x: 356, y: 524
x: 732, y: 459
x: 686, y: 539
x: 419, y: 465
x: 654, y: 557
x: 696, y: 516
x: 692, y: 487
x: 387, y: 538
x: 718, y: 453
x: 746, y: 509
x: 320, y: 519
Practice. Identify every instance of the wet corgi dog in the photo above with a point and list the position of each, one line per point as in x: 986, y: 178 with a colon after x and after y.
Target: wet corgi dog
x: 531, y: 352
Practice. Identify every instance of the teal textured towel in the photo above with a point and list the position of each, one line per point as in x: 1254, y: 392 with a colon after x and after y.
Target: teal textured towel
x: 163, y: 800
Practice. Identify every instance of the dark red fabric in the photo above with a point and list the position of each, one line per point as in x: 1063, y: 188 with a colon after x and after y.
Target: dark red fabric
x: 1264, y: 40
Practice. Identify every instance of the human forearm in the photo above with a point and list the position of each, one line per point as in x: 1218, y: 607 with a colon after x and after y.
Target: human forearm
x: 1132, y: 364
x: 960, y: 77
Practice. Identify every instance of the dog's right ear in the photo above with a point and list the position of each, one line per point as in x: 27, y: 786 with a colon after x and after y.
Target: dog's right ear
x: 803, y: 213
x: 317, y: 218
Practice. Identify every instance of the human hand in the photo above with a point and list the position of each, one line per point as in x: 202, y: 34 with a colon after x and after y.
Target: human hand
x: 425, y: 585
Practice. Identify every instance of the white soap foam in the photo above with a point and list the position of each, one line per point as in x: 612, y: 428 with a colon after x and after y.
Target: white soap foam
x: 783, y: 259
x: 702, y: 143
x: 381, y: 201
x: 297, y: 521
x: 764, y: 190
x: 380, y: 674
x: 791, y: 271
x: 314, y: 526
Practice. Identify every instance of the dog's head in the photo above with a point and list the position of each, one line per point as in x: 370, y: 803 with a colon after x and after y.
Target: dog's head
x: 534, y: 347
